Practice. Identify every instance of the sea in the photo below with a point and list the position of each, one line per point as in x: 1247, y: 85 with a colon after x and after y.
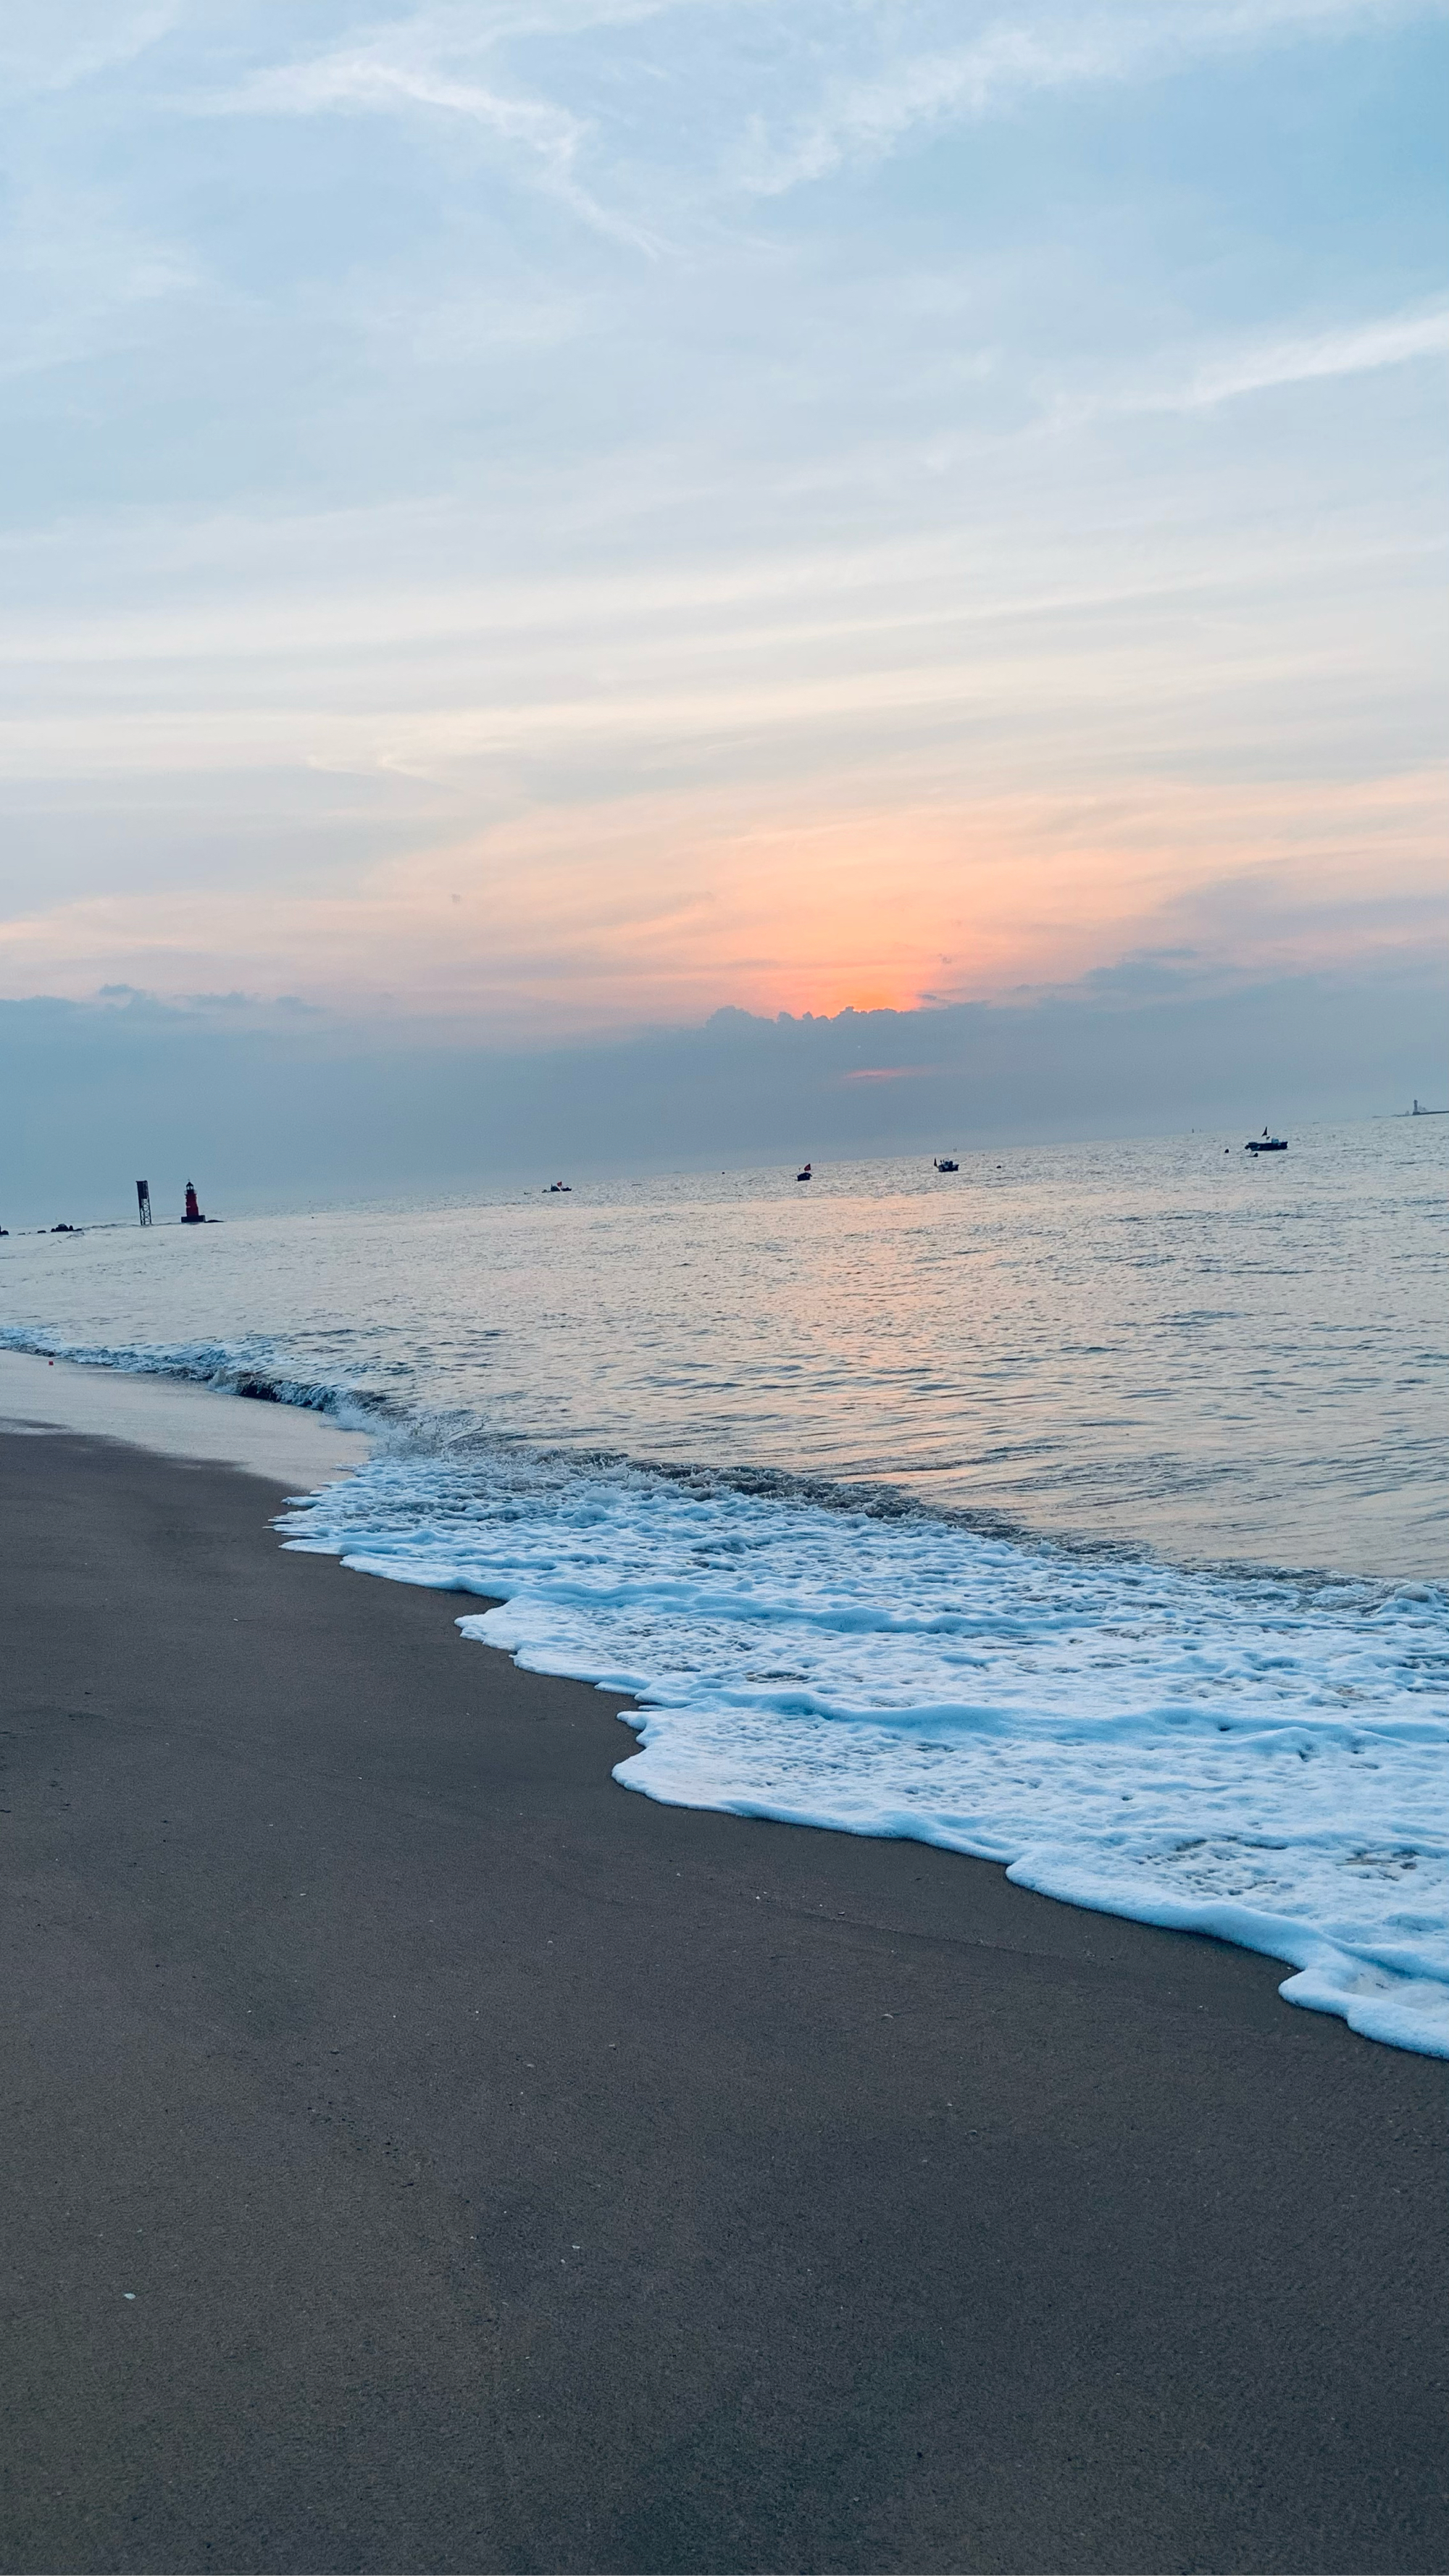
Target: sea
x: 1085, y: 1509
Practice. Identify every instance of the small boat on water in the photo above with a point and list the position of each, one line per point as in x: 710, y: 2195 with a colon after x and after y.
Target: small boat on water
x: 944, y: 1163
x: 805, y: 1174
x: 1266, y: 1144
x: 557, y: 1185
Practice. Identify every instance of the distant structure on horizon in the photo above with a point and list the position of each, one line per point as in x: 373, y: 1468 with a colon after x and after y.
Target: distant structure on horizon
x: 193, y: 1214
x: 143, y: 1201
x: 1419, y: 1111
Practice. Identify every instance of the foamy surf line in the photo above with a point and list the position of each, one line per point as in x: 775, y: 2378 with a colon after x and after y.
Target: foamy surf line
x: 1265, y: 1759
x: 1256, y: 1757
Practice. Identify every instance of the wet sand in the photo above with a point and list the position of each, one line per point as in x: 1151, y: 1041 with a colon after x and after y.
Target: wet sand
x: 510, y: 2173
x: 280, y: 1441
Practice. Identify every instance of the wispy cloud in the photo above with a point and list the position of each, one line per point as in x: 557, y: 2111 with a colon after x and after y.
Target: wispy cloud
x: 865, y: 119
x: 1261, y: 365
x: 430, y: 65
x: 407, y: 593
x: 1355, y: 350
x: 665, y: 909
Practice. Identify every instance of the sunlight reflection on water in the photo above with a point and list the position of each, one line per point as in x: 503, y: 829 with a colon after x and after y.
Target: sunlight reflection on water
x: 1164, y: 1342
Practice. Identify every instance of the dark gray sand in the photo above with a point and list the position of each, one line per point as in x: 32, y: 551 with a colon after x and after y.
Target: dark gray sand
x: 513, y: 2174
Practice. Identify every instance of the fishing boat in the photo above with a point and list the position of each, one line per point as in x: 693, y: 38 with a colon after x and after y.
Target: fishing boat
x: 945, y: 1164
x: 1266, y: 1144
x: 555, y: 1186
x: 805, y: 1173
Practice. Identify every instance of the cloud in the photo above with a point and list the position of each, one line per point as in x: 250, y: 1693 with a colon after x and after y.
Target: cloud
x: 1354, y: 349
x: 382, y: 77
x: 424, y: 609
x: 662, y: 909
x: 326, y: 1109
x: 864, y: 119
x: 424, y: 64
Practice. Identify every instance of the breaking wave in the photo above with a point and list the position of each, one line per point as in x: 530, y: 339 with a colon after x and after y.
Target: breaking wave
x: 247, y: 1368
x: 1263, y: 1757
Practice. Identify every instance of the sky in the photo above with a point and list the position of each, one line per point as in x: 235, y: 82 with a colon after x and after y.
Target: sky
x: 526, y: 527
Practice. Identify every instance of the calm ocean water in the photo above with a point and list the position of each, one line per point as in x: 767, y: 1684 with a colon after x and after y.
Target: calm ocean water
x: 1087, y: 1509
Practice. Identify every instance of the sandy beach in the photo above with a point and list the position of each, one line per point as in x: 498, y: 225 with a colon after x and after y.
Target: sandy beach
x: 425, y: 2154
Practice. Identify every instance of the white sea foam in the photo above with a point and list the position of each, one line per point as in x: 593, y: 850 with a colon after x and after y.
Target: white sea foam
x: 1135, y: 1341
x: 1260, y: 1757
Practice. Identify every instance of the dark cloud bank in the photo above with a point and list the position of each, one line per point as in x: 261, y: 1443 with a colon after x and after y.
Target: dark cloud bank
x: 277, y: 1106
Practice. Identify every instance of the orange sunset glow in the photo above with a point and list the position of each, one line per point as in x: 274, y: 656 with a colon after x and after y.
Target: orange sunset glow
x: 666, y: 908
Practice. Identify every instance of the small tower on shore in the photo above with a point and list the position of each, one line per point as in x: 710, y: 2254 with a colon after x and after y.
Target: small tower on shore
x: 143, y: 1201
x: 193, y: 1214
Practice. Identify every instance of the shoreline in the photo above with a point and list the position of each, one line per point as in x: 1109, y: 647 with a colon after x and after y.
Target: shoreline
x: 514, y: 2173
x: 1372, y: 1983
x: 179, y: 1417
x: 175, y: 1419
